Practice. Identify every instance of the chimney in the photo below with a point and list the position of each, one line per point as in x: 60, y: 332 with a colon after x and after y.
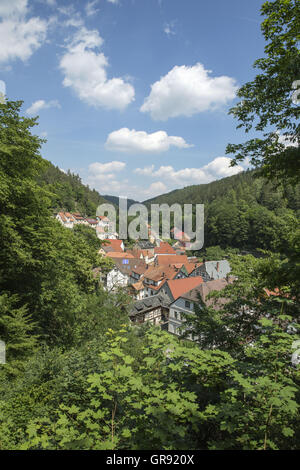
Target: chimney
x: 218, y: 266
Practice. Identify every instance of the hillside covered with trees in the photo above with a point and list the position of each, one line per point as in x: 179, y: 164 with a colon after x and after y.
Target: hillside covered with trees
x: 244, y: 211
x: 68, y: 193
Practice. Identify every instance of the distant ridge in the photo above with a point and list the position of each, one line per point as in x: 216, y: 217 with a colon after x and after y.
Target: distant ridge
x: 115, y: 200
x: 201, y: 193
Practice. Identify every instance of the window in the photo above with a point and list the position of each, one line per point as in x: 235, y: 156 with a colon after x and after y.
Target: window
x: 177, y: 315
x: 187, y: 304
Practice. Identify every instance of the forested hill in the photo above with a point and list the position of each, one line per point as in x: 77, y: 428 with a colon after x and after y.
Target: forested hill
x: 245, y: 185
x: 242, y: 211
x: 69, y: 193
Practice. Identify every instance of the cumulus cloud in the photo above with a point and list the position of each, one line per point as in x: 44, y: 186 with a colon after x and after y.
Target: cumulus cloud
x: 218, y: 168
x: 84, y: 69
x: 186, y: 91
x: 108, y: 178
x: 13, y: 8
x: 155, y: 189
x: 42, y: 104
x: 19, y: 37
x: 104, y: 177
x: 103, y: 171
x: 132, y: 141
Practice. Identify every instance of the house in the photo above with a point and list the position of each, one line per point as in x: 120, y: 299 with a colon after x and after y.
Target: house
x: 144, y: 245
x: 92, y: 222
x: 161, y: 260
x: 116, y: 246
x: 104, y: 233
x: 146, y: 254
x: 103, y: 221
x: 164, y: 248
x: 185, y: 302
x: 119, y: 255
x: 174, y: 288
x: 66, y: 219
x: 155, y: 276
x: 138, y: 272
x: 137, y: 290
x: 120, y: 274
x: 217, y: 269
x: 79, y: 219
x: 153, y: 309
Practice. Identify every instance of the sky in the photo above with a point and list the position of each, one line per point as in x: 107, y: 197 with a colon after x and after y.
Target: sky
x: 132, y: 95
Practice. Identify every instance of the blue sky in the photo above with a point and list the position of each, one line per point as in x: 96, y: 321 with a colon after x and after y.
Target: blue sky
x: 132, y: 94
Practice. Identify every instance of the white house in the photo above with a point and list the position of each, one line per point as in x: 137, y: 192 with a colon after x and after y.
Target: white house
x: 66, y: 219
x: 185, y: 303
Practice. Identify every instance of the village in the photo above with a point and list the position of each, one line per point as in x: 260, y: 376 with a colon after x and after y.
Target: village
x: 163, y: 281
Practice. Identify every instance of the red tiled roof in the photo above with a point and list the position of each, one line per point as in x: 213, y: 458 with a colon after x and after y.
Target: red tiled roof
x: 164, y: 248
x: 91, y: 221
x: 62, y: 216
x: 115, y: 245
x: 138, y: 285
x: 140, y: 269
x: 119, y: 254
x: 172, y: 259
x: 156, y: 273
x: 190, y: 267
x: 178, y: 287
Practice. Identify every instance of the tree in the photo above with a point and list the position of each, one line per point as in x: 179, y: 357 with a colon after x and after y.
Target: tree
x: 16, y: 330
x: 267, y: 102
x: 48, y: 267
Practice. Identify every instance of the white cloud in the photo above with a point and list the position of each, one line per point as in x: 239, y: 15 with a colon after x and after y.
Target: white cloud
x: 107, y: 178
x: 113, y: 1
x: 19, y: 36
x: 12, y: 8
x: 185, y: 91
x: 41, y: 104
x: 104, y: 177
x: 218, y: 168
x: 85, y: 72
x: 90, y: 8
x: 132, y: 141
x: 73, y: 17
x: 103, y: 171
x: 155, y: 189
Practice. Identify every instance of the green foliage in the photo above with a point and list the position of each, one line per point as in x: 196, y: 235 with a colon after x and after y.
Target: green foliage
x: 68, y: 193
x: 16, y: 330
x: 91, y: 380
x: 242, y: 211
x: 145, y: 404
x: 47, y: 267
x: 266, y: 102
